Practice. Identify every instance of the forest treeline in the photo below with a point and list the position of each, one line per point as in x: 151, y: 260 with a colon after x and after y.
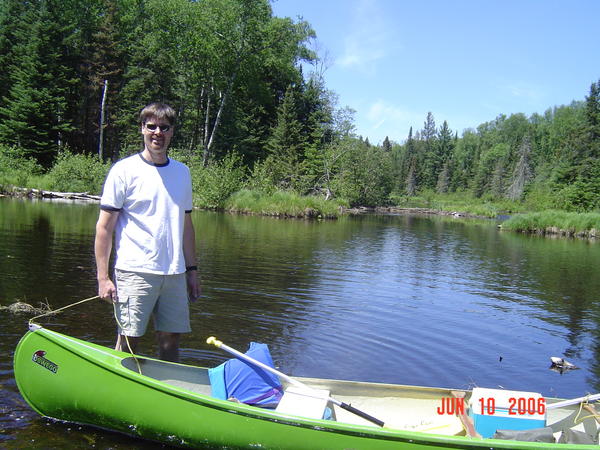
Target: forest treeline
x: 254, y: 112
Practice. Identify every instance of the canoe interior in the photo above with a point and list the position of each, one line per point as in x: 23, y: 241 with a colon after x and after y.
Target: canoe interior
x: 194, y: 379
x: 408, y: 408
x: 400, y: 407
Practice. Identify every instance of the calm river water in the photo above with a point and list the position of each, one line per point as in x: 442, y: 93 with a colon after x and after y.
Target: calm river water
x: 396, y: 299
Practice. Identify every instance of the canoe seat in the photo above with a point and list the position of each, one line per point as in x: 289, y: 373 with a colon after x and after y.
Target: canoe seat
x: 304, y: 402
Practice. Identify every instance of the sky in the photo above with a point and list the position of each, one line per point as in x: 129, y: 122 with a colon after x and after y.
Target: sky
x: 465, y: 61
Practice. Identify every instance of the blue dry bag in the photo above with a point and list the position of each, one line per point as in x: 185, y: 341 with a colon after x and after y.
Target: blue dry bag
x: 247, y: 382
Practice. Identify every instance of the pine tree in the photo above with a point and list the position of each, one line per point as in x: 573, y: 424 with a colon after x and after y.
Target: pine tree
x: 286, y: 144
x: 592, y: 114
x: 408, y: 172
x: 430, y: 158
x: 11, y: 13
x: 387, y: 145
x: 445, y: 144
x: 316, y: 115
x: 34, y: 112
x: 442, y: 155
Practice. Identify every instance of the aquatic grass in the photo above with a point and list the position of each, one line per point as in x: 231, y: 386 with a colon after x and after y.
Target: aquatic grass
x: 555, y: 222
x: 282, y: 203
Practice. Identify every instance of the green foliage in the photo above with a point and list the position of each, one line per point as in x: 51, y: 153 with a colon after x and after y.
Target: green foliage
x: 577, y: 187
x: 555, y: 222
x: 543, y: 161
x: 592, y: 114
x: 281, y: 203
x: 286, y: 146
x: 581, y: 196
x: 459, y: 202
x: 77, y: 173
x: 214, y: 184
x: 540, y: 197
x: 223, y: 64
x: 35, y: 109
x: 261, y: 179
x: 490, y: 170
x: 363, y: 174
x: 17, y: 169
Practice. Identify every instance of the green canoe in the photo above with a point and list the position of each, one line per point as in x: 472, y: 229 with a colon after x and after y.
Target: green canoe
x: 72, y: 380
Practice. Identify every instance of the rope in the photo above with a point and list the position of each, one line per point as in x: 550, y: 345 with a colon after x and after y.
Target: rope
x: 31, y: 321
x: 63, y: 308
x: 137, y: 363
x: 585, y: 405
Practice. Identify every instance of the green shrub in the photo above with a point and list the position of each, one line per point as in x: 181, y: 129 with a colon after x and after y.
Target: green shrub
x: 16, y: 169
x: 540, y: 197
x: 187, y: 157
x: 77, y: 173
x: 261, y: 178
x: 581, y: 196
x: 214, y: 184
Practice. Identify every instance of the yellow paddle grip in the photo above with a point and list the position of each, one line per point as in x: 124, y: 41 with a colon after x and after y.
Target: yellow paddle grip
x: 213, y: 340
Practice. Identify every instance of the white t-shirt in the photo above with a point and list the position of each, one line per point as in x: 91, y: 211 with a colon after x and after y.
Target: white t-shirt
x: 152, y: 200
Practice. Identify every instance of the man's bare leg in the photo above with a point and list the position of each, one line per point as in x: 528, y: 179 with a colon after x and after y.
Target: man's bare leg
x: 122, y: 343
x: 168, y: 346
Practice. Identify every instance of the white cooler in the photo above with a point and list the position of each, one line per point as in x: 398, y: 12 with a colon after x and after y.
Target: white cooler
x: 497, y: 409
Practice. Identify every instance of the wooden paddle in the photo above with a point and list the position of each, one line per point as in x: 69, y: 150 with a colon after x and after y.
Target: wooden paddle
x: 466, y: 421
x: 213, y: 340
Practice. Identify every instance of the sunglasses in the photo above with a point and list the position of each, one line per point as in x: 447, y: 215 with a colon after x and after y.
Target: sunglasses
x: 153, y: 127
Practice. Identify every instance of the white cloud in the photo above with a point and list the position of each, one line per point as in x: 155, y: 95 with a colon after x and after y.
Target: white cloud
x: 367, y: 40
x: 359, y: 54
x: 385, y: 119
x: 525, y: 91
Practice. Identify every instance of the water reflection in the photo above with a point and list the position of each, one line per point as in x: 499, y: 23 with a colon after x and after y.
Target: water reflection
x: 397, y: 299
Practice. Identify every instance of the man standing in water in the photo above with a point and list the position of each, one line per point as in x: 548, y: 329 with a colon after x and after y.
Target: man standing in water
x: 146, y: 203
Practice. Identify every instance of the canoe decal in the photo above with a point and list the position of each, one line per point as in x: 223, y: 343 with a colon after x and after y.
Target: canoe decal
x: 38, y: 358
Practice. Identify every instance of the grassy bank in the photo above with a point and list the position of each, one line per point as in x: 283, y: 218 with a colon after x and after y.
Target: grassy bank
x: 460, y: 202
x: 283, y: 204
x: 555, y: 223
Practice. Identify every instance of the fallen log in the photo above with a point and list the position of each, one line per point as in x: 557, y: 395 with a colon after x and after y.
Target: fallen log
x: 70, y: 195
x: 40, y: 193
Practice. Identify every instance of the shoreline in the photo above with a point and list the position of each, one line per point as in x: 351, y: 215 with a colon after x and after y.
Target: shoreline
x: 41, y: 193
x: 312, y: 214
x: 399, y: 210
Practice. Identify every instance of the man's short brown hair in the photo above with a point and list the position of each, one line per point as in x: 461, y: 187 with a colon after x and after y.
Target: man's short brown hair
x: 161, y: 111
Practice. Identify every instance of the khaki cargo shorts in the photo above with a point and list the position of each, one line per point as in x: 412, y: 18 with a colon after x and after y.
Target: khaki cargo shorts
x: 141, y: 295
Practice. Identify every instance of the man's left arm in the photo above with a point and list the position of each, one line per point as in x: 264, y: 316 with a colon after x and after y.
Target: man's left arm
x: 189, y: 253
